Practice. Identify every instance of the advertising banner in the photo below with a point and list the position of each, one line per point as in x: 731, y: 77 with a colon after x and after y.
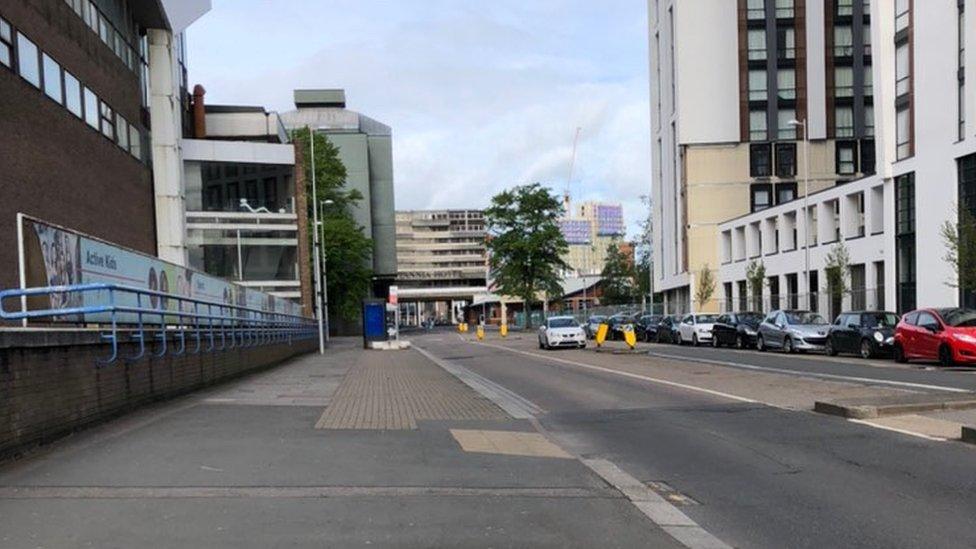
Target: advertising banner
x: 55, y: 256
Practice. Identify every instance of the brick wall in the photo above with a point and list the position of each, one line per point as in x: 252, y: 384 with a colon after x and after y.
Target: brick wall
x: 50, y: 384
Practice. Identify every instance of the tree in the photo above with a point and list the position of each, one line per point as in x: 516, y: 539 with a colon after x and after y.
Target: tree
x: 706, y: 286
x: 837, y: 268
x: 959, y: 239
x: 525, y: 243
x: 644, y: 252
x: 756, y: 279
x: 347, y: 250
x: 617, y: 277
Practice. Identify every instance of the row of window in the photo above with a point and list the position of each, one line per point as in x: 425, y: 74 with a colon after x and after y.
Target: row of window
x: 761, y: 195
x: 100, y: 25
x: 785, y: 44
x: 961, y: 70
x: 784, y: 9
x: 851, y: 157
x: 20, y: 54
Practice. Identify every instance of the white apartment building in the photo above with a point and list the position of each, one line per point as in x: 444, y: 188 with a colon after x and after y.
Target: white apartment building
x: 861, y: 70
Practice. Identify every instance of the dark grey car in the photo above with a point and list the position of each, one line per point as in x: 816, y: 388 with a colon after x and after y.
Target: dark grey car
x: 792, y: 330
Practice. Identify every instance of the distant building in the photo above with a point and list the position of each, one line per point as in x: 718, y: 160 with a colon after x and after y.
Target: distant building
x: 366, y: 149
x: 442, y: 262
x: 589, y: 228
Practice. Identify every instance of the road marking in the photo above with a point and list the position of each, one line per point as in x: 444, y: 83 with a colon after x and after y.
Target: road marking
x: 510, y: 443
x: 867, y: 380
x: 626, y: 374
x: 513, y: 404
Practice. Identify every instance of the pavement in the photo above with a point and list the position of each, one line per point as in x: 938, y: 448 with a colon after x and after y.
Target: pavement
x: 356, y: 448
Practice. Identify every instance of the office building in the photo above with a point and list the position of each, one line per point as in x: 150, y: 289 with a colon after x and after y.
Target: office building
x: 590, y: 228
x: 926, y: 166
x: 735, y: 87
x: 442, y: 262
x: 75, y: 109
x: 366, y: 149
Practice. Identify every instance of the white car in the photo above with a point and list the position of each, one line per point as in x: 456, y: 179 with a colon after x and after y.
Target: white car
x: 561, y: 331
x: 696, y: 329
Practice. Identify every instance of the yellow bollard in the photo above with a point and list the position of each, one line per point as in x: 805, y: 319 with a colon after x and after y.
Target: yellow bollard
x: 481, y: 332
x: 503, y: 330
x: 460, y: 327
x: 601, y: 334
x: 630, y: 338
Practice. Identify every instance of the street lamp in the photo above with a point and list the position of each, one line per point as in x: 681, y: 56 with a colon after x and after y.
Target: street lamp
x: 806, y: 208
x: 317, y: 256
x: 325, y: 276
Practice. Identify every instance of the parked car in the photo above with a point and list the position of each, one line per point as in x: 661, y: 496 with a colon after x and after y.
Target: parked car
x: 736, y: 329
x: 619, y: 323
x: 696, y: 329
x: 792, y: 330
x: 593, y: 324
x: 647, y: 327
x: 867, y: 333
x: 561, y: 331
x: 947, y: 335
x: 667, y: 329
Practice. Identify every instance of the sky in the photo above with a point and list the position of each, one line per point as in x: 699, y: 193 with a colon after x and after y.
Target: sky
x: 481, y: 95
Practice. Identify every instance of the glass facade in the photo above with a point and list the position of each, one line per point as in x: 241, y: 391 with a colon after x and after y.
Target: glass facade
x: 905, y: 241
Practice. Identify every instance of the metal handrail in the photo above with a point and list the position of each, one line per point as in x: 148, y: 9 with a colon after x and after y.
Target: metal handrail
x: 243, y: 326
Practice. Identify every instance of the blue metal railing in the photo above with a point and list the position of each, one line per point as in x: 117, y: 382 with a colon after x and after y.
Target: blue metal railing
x: 146, y: 315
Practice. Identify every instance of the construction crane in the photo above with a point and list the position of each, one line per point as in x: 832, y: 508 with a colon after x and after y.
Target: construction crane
x: 572, y: 166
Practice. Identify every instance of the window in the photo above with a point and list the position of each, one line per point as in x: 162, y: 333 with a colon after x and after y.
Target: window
x: 6, y: 43
x: 846, y: 163
x: 844, y: 121
x: 757, y: 45
x: 784, y: 129
x: 786, y: 40
x: 867, y: 156
x: 135, y: 142
x: 52, y: 79
x: 961, y: 72
x: 903, y: 129
x: 901, y: 15
x: 845, y: 7
x: 844, y: 82
x: 868, y: 120
x: 905, y: 240
x: 843, y: 41
x: 91, y: 108
x: 784, y: 9
x: 785, y: 160
x: 756, y: 9
x: 966, y: 168
x: 785, y: 192
x: 72, y: 94
x: 786, y: 82
x: 902, y: 74
x: 122, y: 132
x: 760, y: 161
x: 92, y: 19
x: 28, y: 62
x: 757, y: 86
x: 108, y: 122
x: 866, y: 38
x: 868, y: 81
x: 757, y: 125
x: 760, y: 196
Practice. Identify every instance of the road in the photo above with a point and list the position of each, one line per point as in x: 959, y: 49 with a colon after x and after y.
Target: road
x: 752, y: 474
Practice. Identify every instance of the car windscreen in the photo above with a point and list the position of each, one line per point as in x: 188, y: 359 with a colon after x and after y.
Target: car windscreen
x: 750, y: 319
x: 959, y: 318
x: 597, y: 319
x: 562, y: 323
x: 800, y: 317
x: 879, y: 320
x: 707, y: 319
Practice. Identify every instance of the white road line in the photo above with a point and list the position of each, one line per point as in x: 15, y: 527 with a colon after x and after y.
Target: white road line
x: 625, y: 374
x: 810, y: 374
x: 897, y: 430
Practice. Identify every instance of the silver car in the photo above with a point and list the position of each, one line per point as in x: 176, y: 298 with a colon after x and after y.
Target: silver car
x: 791, y: 331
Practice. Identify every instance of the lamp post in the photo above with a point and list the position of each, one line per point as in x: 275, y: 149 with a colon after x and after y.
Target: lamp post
x: 317, y: 261
x: 325, y: 274
x: 806, y: 208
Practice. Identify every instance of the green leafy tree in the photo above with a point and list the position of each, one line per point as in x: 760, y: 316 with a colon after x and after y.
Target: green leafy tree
x: 756, y: 279
x: 525, y: 243
x: 959, y: 239
x: 644, y: 252
x: 837, y: 265
x: 347, y: 250
x: 706, y: 286
x: 617, y: 277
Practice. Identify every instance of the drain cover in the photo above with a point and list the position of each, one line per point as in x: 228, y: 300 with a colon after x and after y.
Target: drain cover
x: 673, y: 496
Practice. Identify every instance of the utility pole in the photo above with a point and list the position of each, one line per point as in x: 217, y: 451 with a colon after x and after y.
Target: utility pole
x: 317, y: 245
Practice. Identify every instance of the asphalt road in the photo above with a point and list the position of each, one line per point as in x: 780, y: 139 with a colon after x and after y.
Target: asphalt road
x: 753, y: 475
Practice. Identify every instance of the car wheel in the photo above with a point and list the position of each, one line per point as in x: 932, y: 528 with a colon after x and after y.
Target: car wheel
x: 945, y: 356
x: 830, y: 348
x: 715, y: 342
x: 760, y: 344
x: 694, y: 340
x: 867, y: 350
x: 788, y: 346
x: 540, y: 345
x: 740, y: 342
x: 899, y: 354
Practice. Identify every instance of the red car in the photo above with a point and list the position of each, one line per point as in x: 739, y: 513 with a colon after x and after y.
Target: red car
x: 947, y: 335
